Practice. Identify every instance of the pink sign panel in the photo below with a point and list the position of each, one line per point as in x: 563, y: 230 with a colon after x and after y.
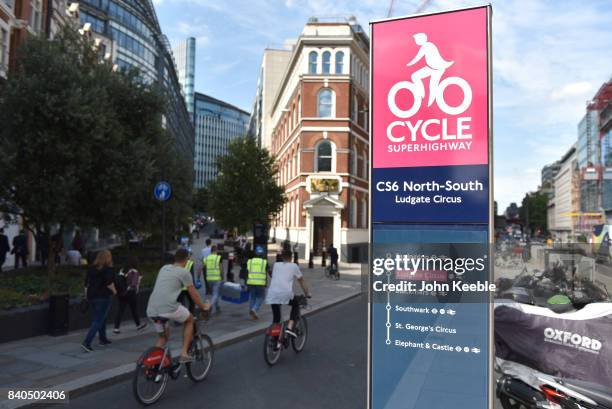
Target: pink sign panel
x: 429, y: 90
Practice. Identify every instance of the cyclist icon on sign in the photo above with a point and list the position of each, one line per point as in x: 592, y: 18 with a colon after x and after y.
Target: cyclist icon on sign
x: 436, y: 65
x: 435, y: 68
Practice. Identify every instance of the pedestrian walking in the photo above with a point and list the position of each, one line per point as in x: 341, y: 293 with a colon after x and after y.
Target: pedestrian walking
x: 257, y: 279
x: 4, y: 247
x: 205, y: 253
x: 213, y: 277
x: 20, y: 249
x: 99, y: 287
x: 127, y: 284
x: 42, y: 247
x: 57, y: 244
x: 77, y: 242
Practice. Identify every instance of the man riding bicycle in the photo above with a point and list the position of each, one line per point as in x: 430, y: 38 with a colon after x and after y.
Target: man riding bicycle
x: 163, y: 305
x: 281, y: 290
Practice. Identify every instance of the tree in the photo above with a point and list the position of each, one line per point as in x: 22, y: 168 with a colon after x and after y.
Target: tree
x: 80, y: 143
x: 533, y: 211
x: 200, y: 200
x: 245, y: 191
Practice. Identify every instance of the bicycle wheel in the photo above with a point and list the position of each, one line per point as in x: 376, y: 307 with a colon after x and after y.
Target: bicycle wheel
x: 203, y: 351
x: 337, y: 275
x: 327, y: 272
x: 149, y: 382
x: 271, y: 352
x: 301, y: 328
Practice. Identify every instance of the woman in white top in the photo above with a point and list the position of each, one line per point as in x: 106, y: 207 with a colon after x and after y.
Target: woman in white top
x: 281, y: 290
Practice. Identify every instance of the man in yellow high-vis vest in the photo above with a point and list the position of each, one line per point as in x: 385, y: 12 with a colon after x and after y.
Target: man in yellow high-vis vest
x: 257, y: 268
x: 213, y: 277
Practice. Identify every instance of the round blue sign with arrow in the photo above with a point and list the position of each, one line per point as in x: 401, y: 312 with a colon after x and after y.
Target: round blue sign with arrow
x: 162, y: 191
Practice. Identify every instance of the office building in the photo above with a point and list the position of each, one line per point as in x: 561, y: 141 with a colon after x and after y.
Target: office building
x: 319, y: 135
x: 185, y: 58
x: 217, y: 123
x: 273, y: 66
x: 565, y: 203
x: 130, y: 35
x: 548, y: 177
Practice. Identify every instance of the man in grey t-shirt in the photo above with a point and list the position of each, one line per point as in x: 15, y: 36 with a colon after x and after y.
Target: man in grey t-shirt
x: 163, y: 302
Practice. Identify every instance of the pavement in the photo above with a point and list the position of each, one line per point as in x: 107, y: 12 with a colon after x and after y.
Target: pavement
x: 330, y: 373
x: 59, y: 363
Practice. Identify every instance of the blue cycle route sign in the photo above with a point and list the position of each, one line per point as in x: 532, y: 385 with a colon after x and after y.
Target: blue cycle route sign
x: 162, y: 191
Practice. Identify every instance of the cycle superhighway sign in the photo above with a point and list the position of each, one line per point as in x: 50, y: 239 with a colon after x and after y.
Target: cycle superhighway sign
x: 431, y: 211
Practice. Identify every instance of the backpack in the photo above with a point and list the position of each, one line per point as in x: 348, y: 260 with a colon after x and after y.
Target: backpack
x: 121, y: 283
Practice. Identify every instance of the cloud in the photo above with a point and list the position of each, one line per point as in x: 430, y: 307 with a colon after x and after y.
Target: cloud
x: 572, y: 90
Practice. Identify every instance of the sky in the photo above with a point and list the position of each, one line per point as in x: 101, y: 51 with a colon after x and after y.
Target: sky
x: 549, y: 59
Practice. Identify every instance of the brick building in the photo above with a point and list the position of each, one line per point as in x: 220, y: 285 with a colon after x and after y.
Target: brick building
x: 319, y: 136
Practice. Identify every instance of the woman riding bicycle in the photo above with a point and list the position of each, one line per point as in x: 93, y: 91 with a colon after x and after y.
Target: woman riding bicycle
x: 281, y: 290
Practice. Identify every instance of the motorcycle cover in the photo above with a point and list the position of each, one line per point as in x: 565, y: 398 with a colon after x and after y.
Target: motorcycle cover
x: 576, y: 345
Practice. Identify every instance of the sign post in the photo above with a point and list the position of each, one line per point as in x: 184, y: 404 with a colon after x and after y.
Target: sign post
x: 162, y: 193
x: 431, y: 212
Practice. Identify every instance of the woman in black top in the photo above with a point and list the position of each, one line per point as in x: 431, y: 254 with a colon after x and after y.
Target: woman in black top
x: 99, y: 288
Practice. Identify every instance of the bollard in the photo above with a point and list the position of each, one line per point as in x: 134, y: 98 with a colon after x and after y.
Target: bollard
x: 310, y: 261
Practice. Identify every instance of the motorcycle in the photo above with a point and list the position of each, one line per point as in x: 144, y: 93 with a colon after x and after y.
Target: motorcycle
x: 548, y: 298
x: 552, y: 393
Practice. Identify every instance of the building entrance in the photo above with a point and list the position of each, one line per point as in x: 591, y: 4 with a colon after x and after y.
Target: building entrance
x: 323, y: 234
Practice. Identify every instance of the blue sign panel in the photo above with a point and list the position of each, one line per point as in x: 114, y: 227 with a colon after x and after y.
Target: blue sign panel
x: 434, y: 194
x: 162, y: 191
x: 429, y: 325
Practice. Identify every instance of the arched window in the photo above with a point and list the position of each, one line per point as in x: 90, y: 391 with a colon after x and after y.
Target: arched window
x: 339, y: 62
x: 365, y: 164
x: 355, y: 107
x: 325, y: 157
x: 312, y: 62
x: 326, y: 62
x: 355, y: 162
x: 364, y: 213
x: 353, y: 211
x: 325, y: 103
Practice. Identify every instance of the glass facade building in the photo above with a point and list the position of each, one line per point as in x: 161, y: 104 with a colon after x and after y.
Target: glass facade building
x: 588, y: 154
x: 217, y: 123
x: 133, y: 38
x: 184, y: 55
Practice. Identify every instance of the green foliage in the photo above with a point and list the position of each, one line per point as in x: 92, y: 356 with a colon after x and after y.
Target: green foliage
x: 200, y: 200
x: 533, y: 211
x: 245, y: 191
x: 83, y: 144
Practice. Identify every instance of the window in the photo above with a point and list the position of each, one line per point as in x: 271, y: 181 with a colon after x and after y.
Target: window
x: 326, y: 62
x: 355, y: 167
x: 9, y: 3
x: 324, y: 157
x: 312, y: 62
x: 355, y: 111
x: 36, y: 14
x: 339, y: 62
x: 353, y: 211
x: 3, y: 48
x: 325, y: 103
x: 364, y: 213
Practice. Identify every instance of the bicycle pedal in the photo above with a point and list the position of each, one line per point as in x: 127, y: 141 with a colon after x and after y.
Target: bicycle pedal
x: 158, y: 378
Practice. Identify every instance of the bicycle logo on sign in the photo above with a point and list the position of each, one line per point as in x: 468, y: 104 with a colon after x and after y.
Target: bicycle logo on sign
x: 434, y: 69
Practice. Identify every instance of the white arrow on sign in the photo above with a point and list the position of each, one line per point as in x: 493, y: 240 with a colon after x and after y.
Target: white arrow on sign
x: 476, y: 350
x: 451, y: 312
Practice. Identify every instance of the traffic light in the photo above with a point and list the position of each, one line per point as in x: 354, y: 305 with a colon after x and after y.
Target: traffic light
x: 260, y: 239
